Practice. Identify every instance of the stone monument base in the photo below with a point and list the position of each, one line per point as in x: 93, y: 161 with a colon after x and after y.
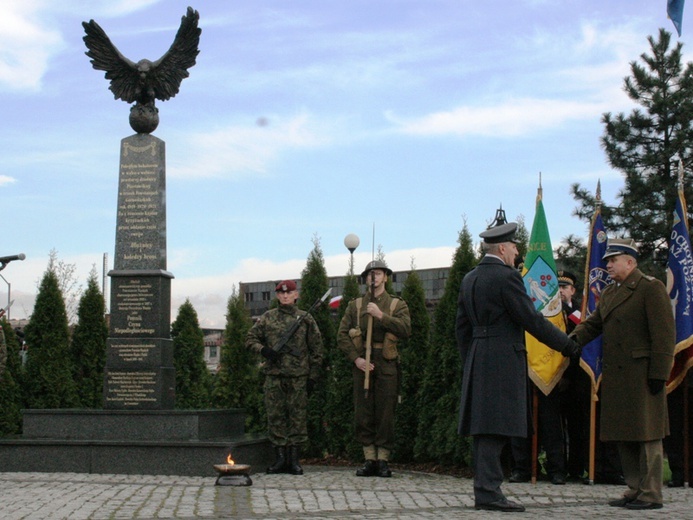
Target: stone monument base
x: 172, y: 442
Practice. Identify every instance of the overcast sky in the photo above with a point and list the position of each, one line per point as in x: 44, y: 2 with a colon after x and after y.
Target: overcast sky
x: 311, y: 118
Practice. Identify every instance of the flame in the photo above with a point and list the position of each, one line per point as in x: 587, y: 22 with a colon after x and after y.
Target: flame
x: 229, y: 460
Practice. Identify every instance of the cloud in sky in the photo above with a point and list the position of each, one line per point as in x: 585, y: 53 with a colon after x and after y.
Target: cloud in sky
x: 512, y: 118
x: 243, y: 150
x: 26, y: 45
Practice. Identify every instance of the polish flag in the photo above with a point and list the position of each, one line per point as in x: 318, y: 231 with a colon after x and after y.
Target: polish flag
x: 334, y: 302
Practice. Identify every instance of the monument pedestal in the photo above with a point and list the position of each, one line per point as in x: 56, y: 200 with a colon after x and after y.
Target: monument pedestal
x: 175, y: 442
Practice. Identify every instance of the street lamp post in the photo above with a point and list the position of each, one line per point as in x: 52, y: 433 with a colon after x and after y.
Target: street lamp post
x: 351, y: 242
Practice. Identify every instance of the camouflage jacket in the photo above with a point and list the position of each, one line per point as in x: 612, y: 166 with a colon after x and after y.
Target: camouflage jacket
x: 269, y: 329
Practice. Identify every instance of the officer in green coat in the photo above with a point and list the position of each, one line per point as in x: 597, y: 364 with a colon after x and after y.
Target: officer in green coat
x: 384, y: 320
x: 288, y: 378
x: 635, y: 319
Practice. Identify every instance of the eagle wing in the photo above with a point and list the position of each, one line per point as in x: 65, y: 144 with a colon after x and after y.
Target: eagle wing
x: 171, y: 69
x: 104, y: 56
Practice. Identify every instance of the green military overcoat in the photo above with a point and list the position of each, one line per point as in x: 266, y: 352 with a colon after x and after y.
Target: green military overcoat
x: 637, y: 322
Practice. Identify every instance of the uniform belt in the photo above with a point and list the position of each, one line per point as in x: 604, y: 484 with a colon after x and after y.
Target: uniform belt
x: 377, y: 345
x: 486, y: 332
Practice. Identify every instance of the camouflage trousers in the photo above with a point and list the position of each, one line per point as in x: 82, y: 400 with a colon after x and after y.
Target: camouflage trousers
x: 286, y: 402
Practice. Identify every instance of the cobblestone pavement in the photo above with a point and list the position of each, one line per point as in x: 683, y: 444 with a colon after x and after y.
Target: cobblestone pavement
x: 322, y: 493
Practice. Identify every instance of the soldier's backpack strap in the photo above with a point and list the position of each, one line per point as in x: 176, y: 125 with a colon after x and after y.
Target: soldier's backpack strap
x: 393, y: 304
x: 359, y: 303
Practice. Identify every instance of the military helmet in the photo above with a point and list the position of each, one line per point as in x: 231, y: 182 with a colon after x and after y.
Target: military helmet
x: 376, y: 264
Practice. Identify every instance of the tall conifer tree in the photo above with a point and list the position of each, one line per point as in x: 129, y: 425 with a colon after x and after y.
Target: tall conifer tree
x: 48, y: 382
x: 644, y: 146
x: 10, y: 391
x: 439, y: 393
x: 239, y: 382
x: 88, y: 345
x: 412, y: 350
x: 314, y: 283
x: 192, y: 376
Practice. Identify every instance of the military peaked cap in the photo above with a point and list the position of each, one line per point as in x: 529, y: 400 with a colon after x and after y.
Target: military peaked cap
x: 566, y: 278
x: 620, y: 246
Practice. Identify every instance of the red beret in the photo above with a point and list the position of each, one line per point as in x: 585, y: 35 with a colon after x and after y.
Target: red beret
x: 285, y: 286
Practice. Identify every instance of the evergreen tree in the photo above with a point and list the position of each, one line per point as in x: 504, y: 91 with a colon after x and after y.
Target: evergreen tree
x: 644, y: 145
x: 339, y: 406
x: 439, y: 392
x: 239, y: 381
x: 10, y: 392
x: 314, y: 283
x: 89, y: 345
x: 412, y: 350
x: 192, y: 387
x: 48, y: 379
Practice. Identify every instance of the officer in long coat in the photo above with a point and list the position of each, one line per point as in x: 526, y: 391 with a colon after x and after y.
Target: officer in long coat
x: 636, y: 321
x: 493, y: 313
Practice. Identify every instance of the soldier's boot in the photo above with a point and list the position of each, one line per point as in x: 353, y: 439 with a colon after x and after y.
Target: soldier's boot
x: 369, y: 469
x: 383, y: 469
x: 293, y: 466
x: 279, y: 465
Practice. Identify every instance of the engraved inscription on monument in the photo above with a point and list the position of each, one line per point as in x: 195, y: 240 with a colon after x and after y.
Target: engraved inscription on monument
x: 141, y: 225
x: 131, y: 388
x: 133, y: 301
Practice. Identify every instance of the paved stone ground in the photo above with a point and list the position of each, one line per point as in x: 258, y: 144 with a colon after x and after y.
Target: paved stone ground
x: 322, y: 493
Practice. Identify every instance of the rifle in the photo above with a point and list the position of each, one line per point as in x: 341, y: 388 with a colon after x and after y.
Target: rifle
x: 369, y: 338
x: 282, y: 344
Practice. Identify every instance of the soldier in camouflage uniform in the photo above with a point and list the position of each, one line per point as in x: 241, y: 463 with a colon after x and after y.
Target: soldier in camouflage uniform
x: 288, y: 378
x: 374, y: 412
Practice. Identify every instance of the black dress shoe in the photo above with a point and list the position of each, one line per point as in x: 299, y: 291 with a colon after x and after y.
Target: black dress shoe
x: 621, y: 502
x: 639, y: 504
x: 558, y: 479
x: 675, y: 482
x: 518, y: 476
x: 501, y: 505
x: 369, y: 469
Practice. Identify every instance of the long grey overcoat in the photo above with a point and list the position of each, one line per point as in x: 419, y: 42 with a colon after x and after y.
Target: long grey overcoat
x: 493, y: 313
x: 637, y: 323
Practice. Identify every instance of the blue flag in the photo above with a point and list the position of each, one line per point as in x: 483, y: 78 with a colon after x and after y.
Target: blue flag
x: 680, y: 288
x: 596, y: 279
x: 675, y: 13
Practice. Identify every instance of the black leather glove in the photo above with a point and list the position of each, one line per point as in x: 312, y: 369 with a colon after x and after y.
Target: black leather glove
x: 270, y: 354
x: 572, y: 350
x: 310, y: 386
x: 655, y: 385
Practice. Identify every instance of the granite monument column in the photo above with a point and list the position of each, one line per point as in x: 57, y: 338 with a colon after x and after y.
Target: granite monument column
x: 139, y: 370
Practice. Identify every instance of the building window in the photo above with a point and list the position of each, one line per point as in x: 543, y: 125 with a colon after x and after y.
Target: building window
x: 213, y: 352
x: 266, y: 296
x: 248, y: 297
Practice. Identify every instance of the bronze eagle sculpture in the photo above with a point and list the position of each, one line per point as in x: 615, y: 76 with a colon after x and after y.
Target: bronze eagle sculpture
x: 145, y: 81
